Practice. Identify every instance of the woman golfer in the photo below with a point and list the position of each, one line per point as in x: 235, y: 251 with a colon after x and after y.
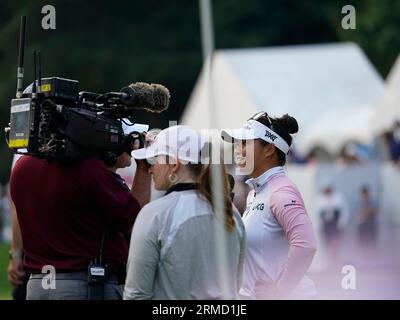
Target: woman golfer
x: 280, y: 242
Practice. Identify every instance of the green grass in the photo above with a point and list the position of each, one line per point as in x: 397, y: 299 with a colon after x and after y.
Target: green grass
x: 5, y: 286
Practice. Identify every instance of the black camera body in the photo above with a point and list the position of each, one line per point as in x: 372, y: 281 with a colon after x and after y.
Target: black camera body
x: 51, y: 119
x: 57, y: 122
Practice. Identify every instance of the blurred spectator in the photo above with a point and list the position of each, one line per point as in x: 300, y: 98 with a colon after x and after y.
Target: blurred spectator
x: 394, y: 142
x: 5, y: 207
x: 349, y: 154
x: 367, y: 211
x: 294, y: 157
x: 333, y: 212
x: 380, y: 147
x: 2, y: 215
x: 317, y: 155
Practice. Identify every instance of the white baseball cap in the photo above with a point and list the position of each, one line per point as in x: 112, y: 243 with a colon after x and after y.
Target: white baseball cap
x: 180, y: 142
x: 253, y: 129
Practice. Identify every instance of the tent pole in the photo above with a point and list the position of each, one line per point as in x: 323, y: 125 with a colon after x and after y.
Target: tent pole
x: 217, y: 186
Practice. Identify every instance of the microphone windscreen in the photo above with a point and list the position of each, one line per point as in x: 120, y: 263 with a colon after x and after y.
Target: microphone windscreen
x: 150, y: 97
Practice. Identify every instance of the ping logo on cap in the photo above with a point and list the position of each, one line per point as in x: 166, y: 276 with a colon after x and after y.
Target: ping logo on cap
x: 270, y: 135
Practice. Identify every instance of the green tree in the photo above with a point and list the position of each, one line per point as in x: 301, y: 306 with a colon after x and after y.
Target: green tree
x: 106, y: 45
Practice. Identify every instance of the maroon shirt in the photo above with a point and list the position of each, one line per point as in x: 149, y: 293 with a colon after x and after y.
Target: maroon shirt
x: 63, y: 211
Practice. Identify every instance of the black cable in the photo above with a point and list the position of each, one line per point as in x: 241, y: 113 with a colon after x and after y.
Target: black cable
x: 101, y: 247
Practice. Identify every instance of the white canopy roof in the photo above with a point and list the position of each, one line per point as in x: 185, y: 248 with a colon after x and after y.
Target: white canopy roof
x: 310, y: 82
x: 388, y: 109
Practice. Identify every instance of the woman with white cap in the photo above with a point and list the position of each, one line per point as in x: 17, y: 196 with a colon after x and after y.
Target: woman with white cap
x: 172, y: 253
x: 280, y: 242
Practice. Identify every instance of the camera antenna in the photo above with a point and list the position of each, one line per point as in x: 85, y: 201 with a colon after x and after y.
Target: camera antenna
x: 34, y: 73
x: 39, y: 70
x: 20, y: 69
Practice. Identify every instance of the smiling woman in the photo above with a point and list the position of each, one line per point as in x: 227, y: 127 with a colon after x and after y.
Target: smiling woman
x: 275, y: 216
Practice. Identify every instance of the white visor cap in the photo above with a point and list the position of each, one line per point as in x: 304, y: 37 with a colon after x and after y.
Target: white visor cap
x: 253, y: 129
x: 180, y: 142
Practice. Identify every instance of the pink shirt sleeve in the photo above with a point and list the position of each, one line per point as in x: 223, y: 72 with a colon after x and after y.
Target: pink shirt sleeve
x: 288, y: 208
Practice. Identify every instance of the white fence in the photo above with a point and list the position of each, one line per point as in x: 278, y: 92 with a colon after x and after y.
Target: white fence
x: 383, y: 180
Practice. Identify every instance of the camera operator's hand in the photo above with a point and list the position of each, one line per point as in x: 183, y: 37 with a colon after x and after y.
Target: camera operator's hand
x: 15, y: 268
x: 16, y: 271
x: 141, y: 164
x: 148, y: 139
x: 142, y: 182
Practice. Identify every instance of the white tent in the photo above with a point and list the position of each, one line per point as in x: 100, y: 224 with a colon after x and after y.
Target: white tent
x: 310, y: 82
x: 388, y: 109
x: 337, y: 127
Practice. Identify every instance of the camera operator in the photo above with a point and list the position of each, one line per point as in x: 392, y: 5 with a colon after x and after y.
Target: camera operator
x: 70, y: 215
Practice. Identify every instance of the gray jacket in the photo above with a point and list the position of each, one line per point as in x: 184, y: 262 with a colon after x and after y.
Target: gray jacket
x: 172, y: 252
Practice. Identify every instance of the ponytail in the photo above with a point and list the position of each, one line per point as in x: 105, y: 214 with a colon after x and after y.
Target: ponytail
x: 204, y: 180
